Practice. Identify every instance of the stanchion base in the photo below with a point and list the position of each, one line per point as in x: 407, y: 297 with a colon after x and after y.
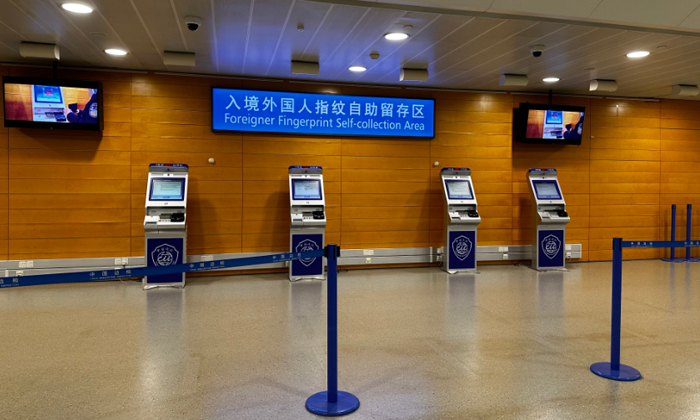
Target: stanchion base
x: 626, y: 373
x: 675, y: 260
x: 694, y: 259
x: 319, y: 405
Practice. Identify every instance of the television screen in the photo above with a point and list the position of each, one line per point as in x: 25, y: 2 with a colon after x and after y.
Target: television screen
x: 46, y: 103
x: 458, y: 189
x: 552, y: 124
x: 167, y: 189
x: 306, y: 189
x: 547, y: 190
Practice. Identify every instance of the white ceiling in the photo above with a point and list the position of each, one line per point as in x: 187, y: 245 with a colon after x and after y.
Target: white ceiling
x: 461, y: 50
x: 676, y: 14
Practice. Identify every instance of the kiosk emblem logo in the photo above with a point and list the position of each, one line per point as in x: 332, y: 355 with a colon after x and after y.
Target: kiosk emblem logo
x: 164, y: 255
x: 305, y: 246
x: 551, y: 246
x: 462, y: 247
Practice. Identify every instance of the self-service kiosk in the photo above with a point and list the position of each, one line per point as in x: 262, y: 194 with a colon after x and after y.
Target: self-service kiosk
x: 549, y: 220
x: 165, y: 222
x: 461, y: 221
x: 47, y: 104
x: 308, y: 213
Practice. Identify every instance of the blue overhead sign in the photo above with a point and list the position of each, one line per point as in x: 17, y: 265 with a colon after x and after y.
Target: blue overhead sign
x: 316, y: 114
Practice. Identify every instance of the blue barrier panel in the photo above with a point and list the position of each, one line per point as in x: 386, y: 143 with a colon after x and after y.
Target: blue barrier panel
x: 332, y: 403
x: 96, y: 275
x: 614, y: 369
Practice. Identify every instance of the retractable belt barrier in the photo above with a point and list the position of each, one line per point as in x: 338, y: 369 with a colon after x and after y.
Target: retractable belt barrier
x: 96, y: 275
x: 614, y: 369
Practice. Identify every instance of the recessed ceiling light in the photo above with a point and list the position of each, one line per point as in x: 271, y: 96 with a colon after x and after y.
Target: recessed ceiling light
x: 115, y: 51
x: 77, y: 7
x: 395, y: 36
x: 550, y: 79
x: 357, y: 69
x: 637, y: 54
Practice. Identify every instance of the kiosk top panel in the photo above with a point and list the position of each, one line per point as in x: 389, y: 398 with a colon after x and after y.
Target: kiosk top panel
x: 306, y: 189
x: 168, y: 167
x: 459, y: 189
x: 305, y: 170
x: 456, y: 171
x: 547, y: 190
x: 545, y: 171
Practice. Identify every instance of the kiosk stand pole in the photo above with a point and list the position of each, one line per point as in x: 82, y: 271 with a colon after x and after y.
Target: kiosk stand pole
x: 614, y: 369
x: 332, y: 403
x: 673, y: 231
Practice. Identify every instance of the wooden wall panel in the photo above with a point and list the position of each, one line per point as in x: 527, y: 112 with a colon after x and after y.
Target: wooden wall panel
x: 67, y: 195
x: 624, y: 173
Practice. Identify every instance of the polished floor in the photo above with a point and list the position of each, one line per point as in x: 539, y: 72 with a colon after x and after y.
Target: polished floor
x: 508, y: 343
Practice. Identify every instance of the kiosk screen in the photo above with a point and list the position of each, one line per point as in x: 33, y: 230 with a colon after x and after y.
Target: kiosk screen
x: 167, y: 189
x: 47, y: 94
x: 306, y: 189
x: 459, y: 190
x: 547, y: 190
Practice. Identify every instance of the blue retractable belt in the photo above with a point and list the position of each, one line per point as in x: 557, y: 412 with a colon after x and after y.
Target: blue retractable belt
x: 95, y: 275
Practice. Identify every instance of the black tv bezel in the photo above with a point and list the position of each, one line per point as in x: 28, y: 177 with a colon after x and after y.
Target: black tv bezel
x: 55, y: 82
x: 520, y: 124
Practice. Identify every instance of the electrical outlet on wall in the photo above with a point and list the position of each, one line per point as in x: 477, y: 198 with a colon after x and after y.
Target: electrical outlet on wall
x: 505, y: 256
x: 367, y: 252
x: 22, y: 264
x: 368, y: 261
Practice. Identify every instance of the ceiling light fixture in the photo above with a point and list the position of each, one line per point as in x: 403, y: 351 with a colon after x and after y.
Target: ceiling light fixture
x: 550, y: 79
x: 637, y: 54
x: 395, y: 36
x: 357, y: 69
x: 115, y: 51
x: 77, y: 8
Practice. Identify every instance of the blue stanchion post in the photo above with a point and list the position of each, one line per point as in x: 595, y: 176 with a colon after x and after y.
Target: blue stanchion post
x: 673, y: 231
x: 332, y: 403
x: 687, y: 231
x: 614, y: 369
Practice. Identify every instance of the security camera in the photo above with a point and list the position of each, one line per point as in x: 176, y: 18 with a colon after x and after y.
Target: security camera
x: 537, y: 50
x: 193, y: 23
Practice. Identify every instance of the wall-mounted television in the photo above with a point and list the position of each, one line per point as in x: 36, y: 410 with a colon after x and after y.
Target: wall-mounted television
x: 549, y: 124
x: 51, y: 103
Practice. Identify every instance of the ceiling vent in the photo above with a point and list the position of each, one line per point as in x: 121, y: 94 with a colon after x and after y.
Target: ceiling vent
x: 305, y: 67
x: 598, y: 85
x: 413, y: 75
x: 171, y: 58
x: 513, y: 80
x: 685, y: 90
x: 35, y: 50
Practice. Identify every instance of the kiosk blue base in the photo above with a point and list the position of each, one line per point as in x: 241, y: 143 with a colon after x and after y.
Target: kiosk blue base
x: 318, y: 404
x: 626, y: 373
